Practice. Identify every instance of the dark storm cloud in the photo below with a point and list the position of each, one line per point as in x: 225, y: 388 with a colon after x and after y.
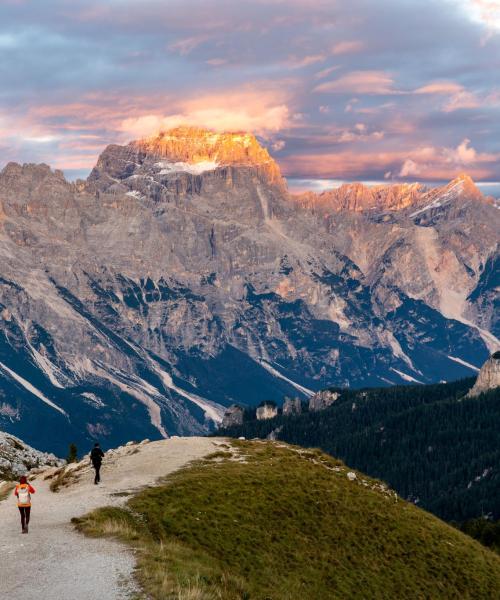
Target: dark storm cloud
x: 360, y: 90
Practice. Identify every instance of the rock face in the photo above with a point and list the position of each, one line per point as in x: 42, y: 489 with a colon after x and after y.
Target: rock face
x: 17, y: 458
x: 267, y: 410
x: 233, y: 416
x: 181, y: 277
x: 489, y: 376
x: 322, y: 400
x: 292, y: 406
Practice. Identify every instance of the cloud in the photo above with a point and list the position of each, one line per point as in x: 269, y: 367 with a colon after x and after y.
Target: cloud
x: 486, y: 12
x: 428, y: 163
x: 463, y: 154
x: 461, y: 100
x: 326, y: 72
x: 440, y: 87
x: 255, y: 112
x: 295, y: 62
x: 359, y: 82
x: 75, y: 78
x: 347, y: 47
x: 408, y: 169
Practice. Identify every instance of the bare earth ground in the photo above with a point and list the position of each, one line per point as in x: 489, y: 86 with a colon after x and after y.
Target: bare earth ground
x: 53, y: 560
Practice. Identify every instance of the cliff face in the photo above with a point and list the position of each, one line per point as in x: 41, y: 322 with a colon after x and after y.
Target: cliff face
x: 182, y: 277
x: 489, y: 376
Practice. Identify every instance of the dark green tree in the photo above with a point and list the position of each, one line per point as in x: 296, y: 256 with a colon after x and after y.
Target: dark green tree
x: 72, y: 454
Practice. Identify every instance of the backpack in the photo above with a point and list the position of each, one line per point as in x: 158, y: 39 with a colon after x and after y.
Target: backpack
x: 23, y: 495
x: 96, y: 455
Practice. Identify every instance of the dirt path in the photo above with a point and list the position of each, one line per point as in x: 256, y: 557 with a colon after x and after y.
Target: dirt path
x: 54, y: 561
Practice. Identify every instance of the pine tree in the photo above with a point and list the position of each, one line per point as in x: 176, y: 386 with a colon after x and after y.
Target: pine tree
x: 72, y: 454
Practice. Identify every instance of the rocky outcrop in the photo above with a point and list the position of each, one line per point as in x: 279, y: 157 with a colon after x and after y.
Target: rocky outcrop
x: 17, y: 458
x: 266, y: 410
x: 489, y: 376
x: 233, y: 416
x: 322, y: 400
x: 292, y: 406
x: 199, y: 149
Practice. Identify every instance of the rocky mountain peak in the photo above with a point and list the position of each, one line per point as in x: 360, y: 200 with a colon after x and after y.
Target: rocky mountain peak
x: 20, y: 183
x: 463, y: 185
x: 358, y: 197
x: 182, y: 159
x: 209, y: 149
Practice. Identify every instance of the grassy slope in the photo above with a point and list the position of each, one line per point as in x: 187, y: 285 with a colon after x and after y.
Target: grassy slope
x: 287, y: 523
x: 427, y: 442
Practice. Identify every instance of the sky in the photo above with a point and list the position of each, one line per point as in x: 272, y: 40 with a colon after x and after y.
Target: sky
x: 338, y: 90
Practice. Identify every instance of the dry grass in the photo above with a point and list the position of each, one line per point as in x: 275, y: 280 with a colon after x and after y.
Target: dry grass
x: 6, y: 489
x: 220, y: 454
x: 64, y: 477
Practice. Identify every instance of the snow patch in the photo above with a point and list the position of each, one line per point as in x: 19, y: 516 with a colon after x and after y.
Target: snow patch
x: 184, y: 167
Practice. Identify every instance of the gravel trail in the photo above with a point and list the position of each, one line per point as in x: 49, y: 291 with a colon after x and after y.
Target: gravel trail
x: 53, y: 560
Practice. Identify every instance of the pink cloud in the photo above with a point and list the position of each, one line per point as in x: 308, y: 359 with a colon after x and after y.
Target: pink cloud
x: 409, y: 168
x: 425, y: 162
x: 440, y: 87
x: 347, y: 47
x: 326, y: 72
x: 255, y: 111
x: 461, y: 100
x: 359, y: 82
x: 295, y: 62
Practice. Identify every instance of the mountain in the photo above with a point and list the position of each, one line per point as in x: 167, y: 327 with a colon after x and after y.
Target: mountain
x: 181, y: 276
x: 268, y: 520
x: 434, y: 444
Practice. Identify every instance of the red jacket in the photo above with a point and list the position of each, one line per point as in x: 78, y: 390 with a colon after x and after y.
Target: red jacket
x: 23, y: 485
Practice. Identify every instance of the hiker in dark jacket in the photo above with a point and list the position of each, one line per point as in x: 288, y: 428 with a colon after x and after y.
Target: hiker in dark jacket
x: 96, y: 457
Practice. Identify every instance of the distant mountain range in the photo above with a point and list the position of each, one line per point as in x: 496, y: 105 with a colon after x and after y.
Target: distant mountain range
x: 181, y: 276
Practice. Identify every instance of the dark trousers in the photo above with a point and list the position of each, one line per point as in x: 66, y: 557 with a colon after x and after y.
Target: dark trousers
x: 25, y: 515
x: 97, y: 467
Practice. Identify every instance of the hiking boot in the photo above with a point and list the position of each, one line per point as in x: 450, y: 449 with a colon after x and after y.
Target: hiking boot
x: 24, y: 530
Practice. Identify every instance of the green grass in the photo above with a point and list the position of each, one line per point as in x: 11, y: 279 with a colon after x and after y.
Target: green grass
x: 288, y: 524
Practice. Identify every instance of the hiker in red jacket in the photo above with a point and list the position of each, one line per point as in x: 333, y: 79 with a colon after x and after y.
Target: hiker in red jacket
x: 23, y: 493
